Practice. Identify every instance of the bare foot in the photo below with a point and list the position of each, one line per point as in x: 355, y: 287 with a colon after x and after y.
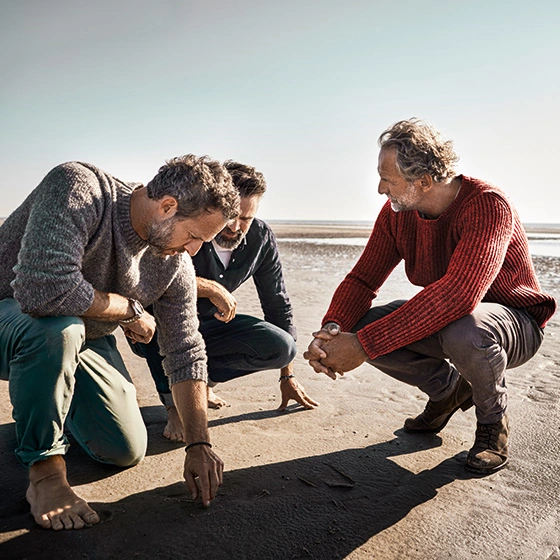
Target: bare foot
x: 54, y: 505
x: 214, y: 401
x: 174, y: 428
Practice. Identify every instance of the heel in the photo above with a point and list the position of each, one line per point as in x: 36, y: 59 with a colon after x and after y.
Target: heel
x: 467, y: 404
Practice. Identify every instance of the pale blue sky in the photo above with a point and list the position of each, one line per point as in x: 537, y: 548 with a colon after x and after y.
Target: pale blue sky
x: 300, y: 89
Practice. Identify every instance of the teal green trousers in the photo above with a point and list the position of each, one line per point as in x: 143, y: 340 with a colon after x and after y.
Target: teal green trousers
x: 57, y: 379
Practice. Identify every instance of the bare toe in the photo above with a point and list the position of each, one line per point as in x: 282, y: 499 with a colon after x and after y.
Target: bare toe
x: 174, y: 427
x: 214, y: 401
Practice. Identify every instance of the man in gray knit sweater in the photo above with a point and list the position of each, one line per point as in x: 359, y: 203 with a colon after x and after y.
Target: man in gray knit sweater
x: 83, y: 254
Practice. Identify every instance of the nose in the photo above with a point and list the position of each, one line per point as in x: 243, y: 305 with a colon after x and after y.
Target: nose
x: 234, y: 225
x: 192, y: 247
x: 381, y: 189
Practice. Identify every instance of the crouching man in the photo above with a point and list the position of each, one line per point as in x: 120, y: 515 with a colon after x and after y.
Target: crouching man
x: 480, y: 311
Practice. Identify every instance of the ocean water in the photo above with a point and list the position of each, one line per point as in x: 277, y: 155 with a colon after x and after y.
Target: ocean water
x: 541, y: 244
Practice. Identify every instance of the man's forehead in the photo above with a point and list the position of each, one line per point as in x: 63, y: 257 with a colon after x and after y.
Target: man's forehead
x: 387, y: 158
x: 249, y: 205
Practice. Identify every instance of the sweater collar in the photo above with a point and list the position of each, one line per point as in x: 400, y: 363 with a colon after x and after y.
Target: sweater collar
x: 124, y: 197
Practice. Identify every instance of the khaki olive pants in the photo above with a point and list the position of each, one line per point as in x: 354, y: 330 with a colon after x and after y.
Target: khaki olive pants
x: 480, y: 346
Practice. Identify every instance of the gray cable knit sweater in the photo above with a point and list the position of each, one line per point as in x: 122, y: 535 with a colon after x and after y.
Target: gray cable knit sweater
x: 72, y: 234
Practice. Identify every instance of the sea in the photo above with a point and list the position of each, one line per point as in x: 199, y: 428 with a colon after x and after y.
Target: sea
x: 544, y: 239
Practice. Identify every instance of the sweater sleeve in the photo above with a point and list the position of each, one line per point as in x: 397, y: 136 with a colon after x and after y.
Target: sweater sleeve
x: 484, y: 227
x: 352, y: 299
x: 180, y: 342
x: 269, y: 281
x: 48, y: 279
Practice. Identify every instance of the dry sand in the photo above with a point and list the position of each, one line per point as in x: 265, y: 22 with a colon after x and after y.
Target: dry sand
x: 342, y: 481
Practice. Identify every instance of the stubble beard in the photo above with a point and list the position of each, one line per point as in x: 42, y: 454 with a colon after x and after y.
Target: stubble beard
x: 159, y: 237
x: 229, y: 242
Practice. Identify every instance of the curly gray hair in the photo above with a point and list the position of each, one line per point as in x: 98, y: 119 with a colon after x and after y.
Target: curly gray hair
x: 420, y: 150
x: 197, y: 184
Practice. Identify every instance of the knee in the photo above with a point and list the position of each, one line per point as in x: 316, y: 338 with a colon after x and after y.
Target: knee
x: 130, y: 458
x: 285, y: 349
x: 465, y: 338
x: 123, y: 454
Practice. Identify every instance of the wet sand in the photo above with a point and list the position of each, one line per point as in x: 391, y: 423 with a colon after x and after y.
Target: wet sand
x: 342, y: 481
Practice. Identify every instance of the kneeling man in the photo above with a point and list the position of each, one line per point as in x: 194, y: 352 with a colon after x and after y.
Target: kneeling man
x: 83, y: 254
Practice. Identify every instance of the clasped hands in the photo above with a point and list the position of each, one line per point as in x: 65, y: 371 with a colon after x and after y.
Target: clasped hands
x: 332, y: 351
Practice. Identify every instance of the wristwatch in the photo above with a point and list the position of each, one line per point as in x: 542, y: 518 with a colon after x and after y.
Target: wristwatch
x: 138, y: 311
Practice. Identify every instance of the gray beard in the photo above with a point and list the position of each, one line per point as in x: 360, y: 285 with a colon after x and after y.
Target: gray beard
x: 228, y: 243
x: 159, y: 237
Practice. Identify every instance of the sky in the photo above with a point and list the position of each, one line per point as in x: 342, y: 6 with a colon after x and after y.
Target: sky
x: 299, y: 89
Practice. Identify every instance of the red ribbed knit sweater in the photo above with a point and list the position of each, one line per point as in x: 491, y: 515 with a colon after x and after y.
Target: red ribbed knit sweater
x: 475, y: 251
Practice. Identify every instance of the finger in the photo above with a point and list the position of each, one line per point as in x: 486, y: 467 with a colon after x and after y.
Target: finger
x: 300, y: 399
x: 308, y: 401
x: 284, y: 403
x: 205, y: 488
x: 220, y: 316
x: 220, y: 471
x: 317, y: 366
x: 330, y: 373
x: 320, y: 368
x: 323, y: 335
x: 191, y: 484
x: 316, y: 354
x: 214, y: 482
x: 304, y: 400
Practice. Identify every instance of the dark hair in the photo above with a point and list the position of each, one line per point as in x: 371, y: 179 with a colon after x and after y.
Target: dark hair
x: 420, y: 150
x: 197, y: 184
x: 246, y: 179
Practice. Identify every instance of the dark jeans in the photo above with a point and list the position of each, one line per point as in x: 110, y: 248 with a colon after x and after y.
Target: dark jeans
x: 242, y: 346
x: 479, y: 346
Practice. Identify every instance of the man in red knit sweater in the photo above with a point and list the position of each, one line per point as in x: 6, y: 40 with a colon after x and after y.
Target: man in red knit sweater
x: 481, y: 310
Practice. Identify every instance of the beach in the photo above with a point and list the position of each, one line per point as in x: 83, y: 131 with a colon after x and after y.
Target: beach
x: 341, y: 481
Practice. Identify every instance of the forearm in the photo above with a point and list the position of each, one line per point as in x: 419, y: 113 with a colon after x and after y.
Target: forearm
x: 287, y: 370
x: 109, y: 307
x: 206, y: 288
x: 191, y: 400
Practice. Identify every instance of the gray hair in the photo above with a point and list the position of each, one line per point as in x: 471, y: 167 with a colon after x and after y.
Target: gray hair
x: 420, y: 150
x: 197, y: 184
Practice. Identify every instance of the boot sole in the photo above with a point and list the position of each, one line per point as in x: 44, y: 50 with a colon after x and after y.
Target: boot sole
x: 483, y: 472
x: 463, y: 406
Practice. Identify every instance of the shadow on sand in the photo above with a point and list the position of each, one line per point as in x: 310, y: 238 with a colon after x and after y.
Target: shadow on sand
x: 321, y: 507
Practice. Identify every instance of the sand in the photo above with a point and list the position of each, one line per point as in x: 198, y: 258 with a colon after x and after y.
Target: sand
x: 341, y: 481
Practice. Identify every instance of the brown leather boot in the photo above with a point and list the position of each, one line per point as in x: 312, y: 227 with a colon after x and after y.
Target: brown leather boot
x: 437, y: 414
x: 490, y: 450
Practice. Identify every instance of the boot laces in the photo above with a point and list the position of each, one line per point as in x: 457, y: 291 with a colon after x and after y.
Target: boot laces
x: 429, y: 409
x: 487, y: 434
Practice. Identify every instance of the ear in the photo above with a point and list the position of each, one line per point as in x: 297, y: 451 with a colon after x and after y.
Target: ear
x: 425, y: 182
x: 167, y: 206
